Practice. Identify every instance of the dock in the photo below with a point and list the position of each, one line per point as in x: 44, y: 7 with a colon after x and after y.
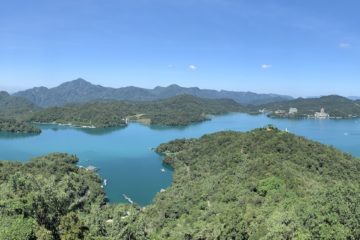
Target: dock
x: 91, y: 168
x: 128, y: 199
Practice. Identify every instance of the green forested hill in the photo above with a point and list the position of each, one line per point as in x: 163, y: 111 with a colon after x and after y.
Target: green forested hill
x: 179, y: 110
x: 336, y: 106
x: 41, y: 198
x: 15, y: 126
x: 264, y: 184
x: 13, y: 111
x: 15, y: 107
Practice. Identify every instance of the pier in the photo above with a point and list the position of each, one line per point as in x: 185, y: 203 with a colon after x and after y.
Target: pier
x: 128, y: 199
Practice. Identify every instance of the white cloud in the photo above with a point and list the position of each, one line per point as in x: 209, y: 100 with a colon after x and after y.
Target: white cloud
x: 266, y: 66
x: 344, y: 45
x: 192, y: 67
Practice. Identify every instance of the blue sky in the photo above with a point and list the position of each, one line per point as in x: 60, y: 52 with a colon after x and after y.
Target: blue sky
x: 296, y: 47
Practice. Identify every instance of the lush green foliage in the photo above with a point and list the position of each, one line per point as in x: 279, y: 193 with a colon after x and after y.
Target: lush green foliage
x: 15, y: 107
x: 13, y: 111
x: 336, y: 106
x: 180, y: 110
x: 12, y: 125
x: 264, y: 184
x: 35, y: 197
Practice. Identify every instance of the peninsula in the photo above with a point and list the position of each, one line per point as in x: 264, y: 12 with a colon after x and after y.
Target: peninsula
x: 176, y: 111
x: 263, y: 184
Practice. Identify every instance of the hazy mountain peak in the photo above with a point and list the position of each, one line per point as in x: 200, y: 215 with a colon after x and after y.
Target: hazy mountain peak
x: 173, y: 86
x: 76, y: 82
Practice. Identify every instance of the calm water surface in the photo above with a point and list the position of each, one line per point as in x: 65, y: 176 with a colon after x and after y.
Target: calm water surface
x: 124, y: 155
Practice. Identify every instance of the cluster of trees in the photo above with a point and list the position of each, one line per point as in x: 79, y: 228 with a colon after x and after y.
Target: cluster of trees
x: 176, y: 111
x: 336, y: 106
x: 15, y: 107
x: 179, y: 110
x: 15, y: 126
x: 50, y: 198
x: 264, y: 184
x: 13, y: 114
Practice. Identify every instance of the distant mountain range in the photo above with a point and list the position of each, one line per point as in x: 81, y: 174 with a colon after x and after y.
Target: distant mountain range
x: 81, y: 91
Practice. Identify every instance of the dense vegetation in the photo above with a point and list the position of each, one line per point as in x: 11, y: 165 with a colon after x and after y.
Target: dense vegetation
x: 336, y: 106
x: 264, y: 184
x: 50, y: 198
x: 15, y: 107
x: 14, y: 126
x: 37, y: 197
x: 81, y: 91
x: 179, y: 110
x: 13, y: 111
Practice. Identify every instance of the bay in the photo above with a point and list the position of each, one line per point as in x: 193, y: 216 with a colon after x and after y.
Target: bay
x: 125, y: 157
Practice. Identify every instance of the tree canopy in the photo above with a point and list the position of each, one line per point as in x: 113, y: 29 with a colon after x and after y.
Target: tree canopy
x: 179, y: 110
x: 263, y: 184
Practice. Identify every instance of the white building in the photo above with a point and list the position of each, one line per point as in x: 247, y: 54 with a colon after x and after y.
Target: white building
x: 322, y: 114
x: 293, y: 110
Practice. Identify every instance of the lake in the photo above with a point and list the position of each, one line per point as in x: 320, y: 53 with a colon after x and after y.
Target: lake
x: 125, y: 158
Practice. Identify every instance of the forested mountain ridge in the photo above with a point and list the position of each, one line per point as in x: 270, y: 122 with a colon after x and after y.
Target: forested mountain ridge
x: 15, y: 107
x: 175, y: 111
x: 13, y: 113
x: 81, y: 91
x: 336, y: 106
x: 263, y: 184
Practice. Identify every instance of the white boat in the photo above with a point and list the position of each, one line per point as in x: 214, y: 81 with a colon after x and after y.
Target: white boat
x: 162, y: 170
x: 105, y: 182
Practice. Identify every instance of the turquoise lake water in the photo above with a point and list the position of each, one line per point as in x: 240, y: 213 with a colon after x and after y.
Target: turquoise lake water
x: 124, y: 155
